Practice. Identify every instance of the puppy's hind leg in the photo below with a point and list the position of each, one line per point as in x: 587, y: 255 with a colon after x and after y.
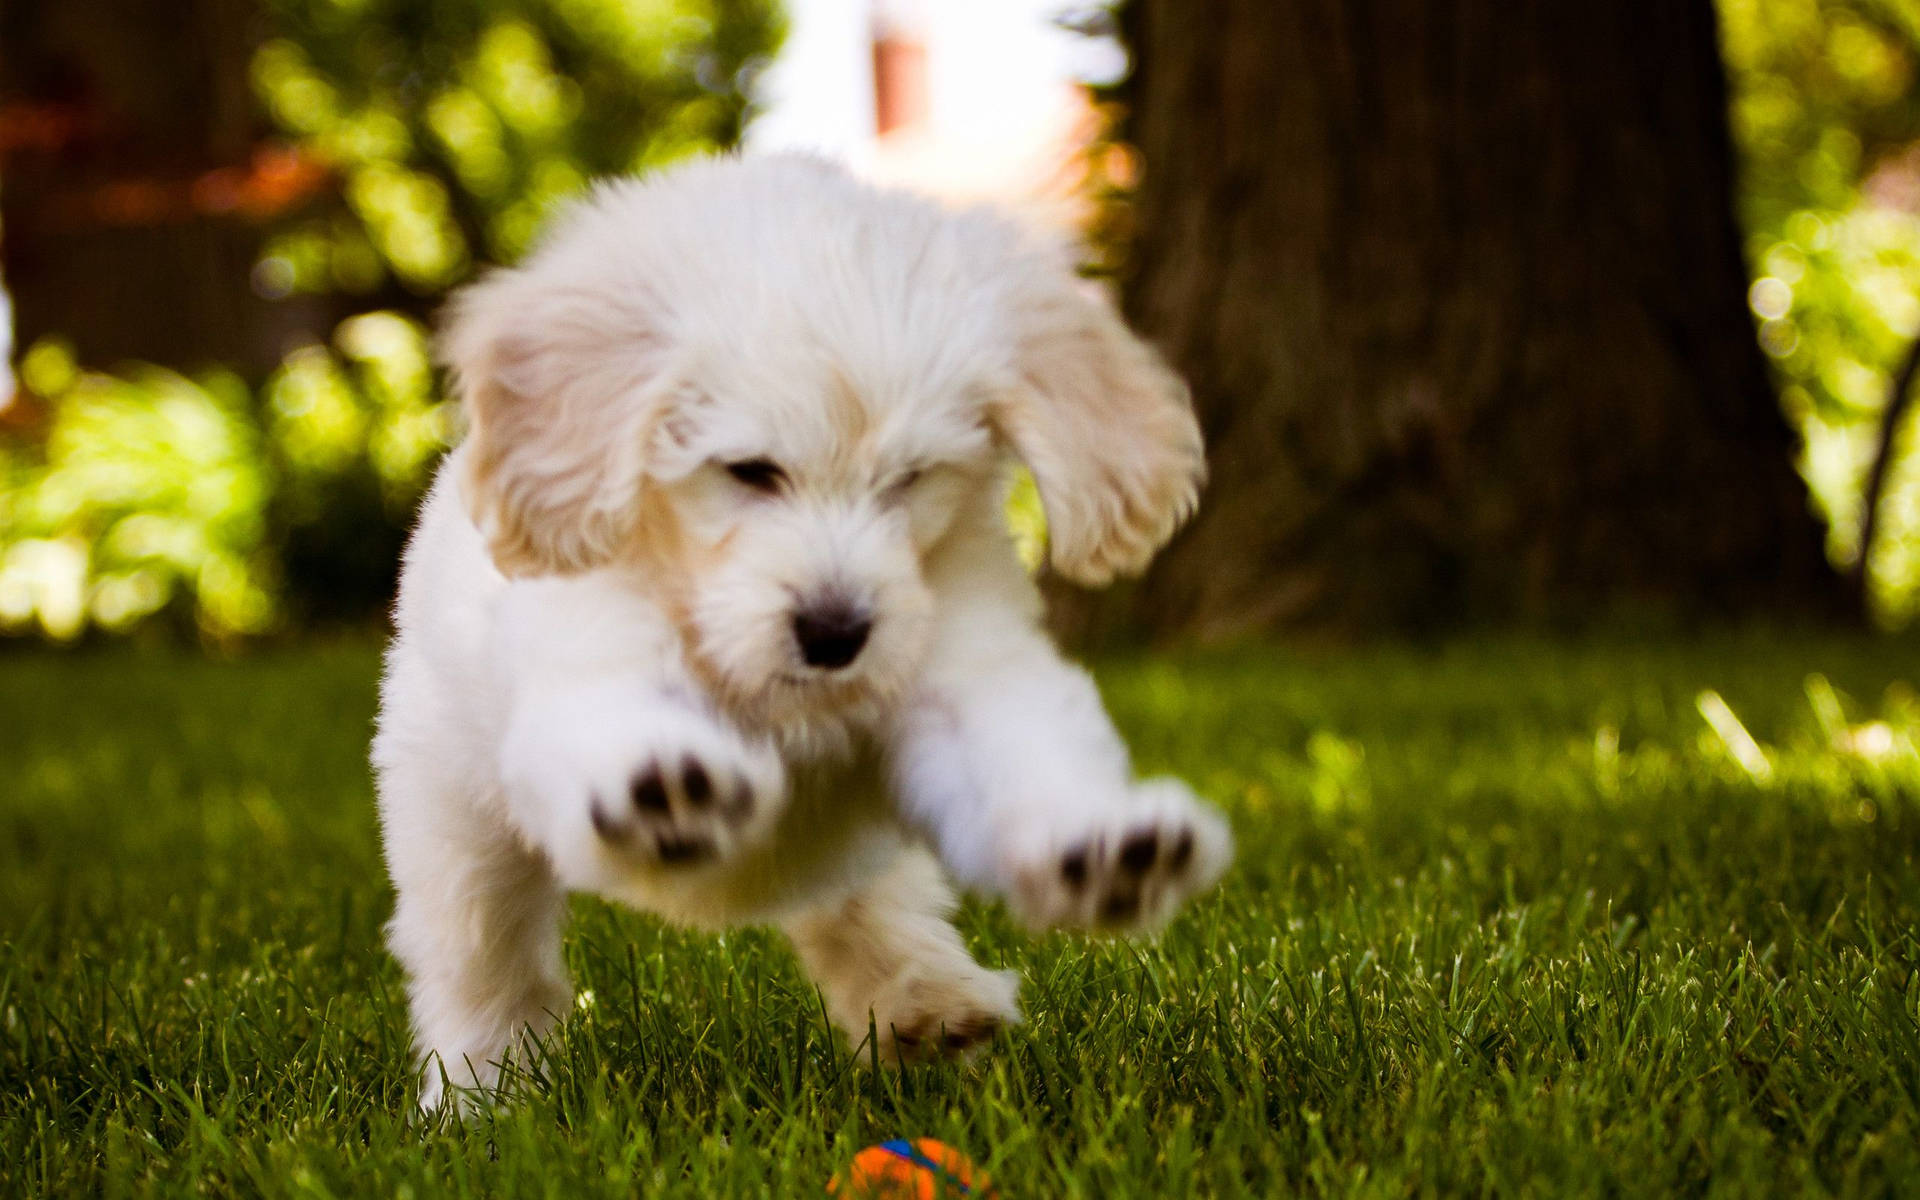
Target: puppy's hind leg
x: 477, y: 926
x: 889, y: 954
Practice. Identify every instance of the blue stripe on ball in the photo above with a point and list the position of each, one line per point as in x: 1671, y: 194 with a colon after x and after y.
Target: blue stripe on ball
x: 902, y: 1148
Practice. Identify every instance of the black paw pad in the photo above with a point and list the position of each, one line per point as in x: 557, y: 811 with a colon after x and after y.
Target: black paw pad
x: 649, y: 791
x: 694, y: 781
x: 677, y: 851
x: 1182, y: 852
x: 967, y: 1035
x: 1121, y: 906
x: 1138, y: 852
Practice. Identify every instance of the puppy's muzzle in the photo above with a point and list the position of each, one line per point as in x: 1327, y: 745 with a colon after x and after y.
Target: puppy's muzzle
x: 831, y: 635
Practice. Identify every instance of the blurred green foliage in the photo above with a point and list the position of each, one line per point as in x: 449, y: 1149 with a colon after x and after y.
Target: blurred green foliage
x: 456, y: 124
x: 1826, y: 114
x: 149, y: 494
x: 451, y: 127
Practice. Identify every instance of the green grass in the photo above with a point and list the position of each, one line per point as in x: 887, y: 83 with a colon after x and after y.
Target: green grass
x: 1508, y: 917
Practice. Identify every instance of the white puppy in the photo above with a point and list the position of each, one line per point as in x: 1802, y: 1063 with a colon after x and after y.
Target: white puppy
x: 715, y: 612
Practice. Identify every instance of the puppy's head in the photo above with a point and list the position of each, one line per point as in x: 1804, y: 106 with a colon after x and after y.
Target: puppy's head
x: 783, y: 396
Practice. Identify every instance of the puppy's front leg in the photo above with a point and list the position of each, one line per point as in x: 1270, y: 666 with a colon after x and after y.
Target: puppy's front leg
x: 612, y: 760
x: 888, y: 954
x: 1008, y: 759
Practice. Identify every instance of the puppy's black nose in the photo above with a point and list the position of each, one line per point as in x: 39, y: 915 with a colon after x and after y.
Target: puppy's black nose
x: 830, y: 636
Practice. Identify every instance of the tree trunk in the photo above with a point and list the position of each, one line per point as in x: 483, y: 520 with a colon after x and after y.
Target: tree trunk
x: 1461, y: 297
x: 128, y: 127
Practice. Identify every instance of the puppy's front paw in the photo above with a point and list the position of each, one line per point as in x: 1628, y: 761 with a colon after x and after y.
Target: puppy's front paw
x: 940, y: 1013
x: 659, y: 787
x: 681, y: 807
x: 1126, y: 865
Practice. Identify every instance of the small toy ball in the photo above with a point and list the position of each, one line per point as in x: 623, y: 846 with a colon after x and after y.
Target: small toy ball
x: 918, y: 1170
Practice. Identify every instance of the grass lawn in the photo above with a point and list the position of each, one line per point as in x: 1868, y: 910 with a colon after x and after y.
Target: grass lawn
x: 1508, y: 917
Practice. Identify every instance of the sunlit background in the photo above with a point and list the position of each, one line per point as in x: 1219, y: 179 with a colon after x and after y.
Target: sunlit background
x: 242, y: 499
x: 1574, y: 901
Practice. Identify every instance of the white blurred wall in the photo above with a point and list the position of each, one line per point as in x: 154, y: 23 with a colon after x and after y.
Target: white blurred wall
x: 1004, y: 108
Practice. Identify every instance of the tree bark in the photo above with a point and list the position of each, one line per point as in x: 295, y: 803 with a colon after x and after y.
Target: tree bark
x: 119, y: 114
x: 1460, y: 293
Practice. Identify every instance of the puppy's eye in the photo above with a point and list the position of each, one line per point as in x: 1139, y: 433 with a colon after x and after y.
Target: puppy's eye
x: 902, y: 482
x: 760, y: 474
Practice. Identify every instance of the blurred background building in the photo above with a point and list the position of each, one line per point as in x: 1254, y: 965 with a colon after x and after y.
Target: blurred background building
x: 976, y: 101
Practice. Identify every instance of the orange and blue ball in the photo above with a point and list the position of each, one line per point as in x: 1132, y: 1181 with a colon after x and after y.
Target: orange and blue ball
x: 922, y: 1169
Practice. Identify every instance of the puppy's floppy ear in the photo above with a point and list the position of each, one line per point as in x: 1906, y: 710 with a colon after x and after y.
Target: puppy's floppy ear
x: 1105, y: 426
x: 562, y: 390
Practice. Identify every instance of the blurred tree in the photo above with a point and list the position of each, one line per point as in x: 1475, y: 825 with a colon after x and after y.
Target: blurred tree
x: 456, y: 124
x: 286, y: 188
x: 1461, y: 296
x: 127, y: 139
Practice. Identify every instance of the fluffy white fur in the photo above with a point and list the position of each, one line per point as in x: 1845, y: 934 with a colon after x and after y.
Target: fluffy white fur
x: 597, y: 681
